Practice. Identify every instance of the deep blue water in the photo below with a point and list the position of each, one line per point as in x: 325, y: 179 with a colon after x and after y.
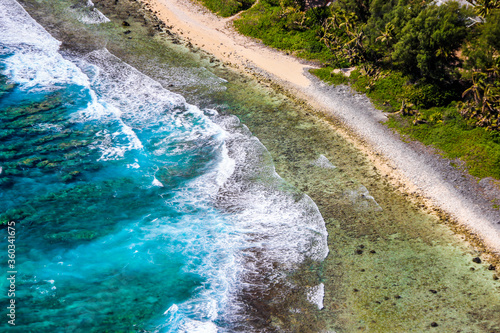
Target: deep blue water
x: 134, y: 210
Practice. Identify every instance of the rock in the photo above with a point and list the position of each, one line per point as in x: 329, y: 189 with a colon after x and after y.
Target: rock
x: 70, y: 176
x: 6, y: 181
x: 42, y: 164
x: 323, y: 162
x: 344, y: 71
x: 477, y: 260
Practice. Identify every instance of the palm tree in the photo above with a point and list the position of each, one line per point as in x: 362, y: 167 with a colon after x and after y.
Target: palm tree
x: 387, y: 35
x: 484, y: 7
x: 477, y: 88
x: 354, y: 47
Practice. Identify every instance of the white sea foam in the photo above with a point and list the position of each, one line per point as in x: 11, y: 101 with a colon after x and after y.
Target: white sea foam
x: 41, y: 69
x: 140, y: 102
x: 156, y: 182
x: 36, y: 65
x: 90, y: 15
x: 36, y: 62
x: 316, y: 294
x: 49, y: 127
x: 270, y: 228
x: 266, y: 207
x: 133, y: 165
x: 195, y: 326
x: 257, y: 224
x: 19, y: 28
x: 178, y: 128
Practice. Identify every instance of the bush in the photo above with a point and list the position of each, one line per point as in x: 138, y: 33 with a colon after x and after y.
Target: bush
x: 226, y: 8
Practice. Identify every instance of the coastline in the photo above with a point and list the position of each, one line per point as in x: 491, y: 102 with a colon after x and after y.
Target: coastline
x: 391, y: 264
x: 205, y: 30
x: 412, y: 168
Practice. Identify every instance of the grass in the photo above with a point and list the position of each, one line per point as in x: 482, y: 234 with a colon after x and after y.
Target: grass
x: 263, y: 22
x: 441, y: 127
x: 445, y: 129
x: 387, y: 92
x: 326, y: 74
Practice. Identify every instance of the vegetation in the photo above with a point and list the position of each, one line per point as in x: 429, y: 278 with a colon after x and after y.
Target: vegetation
x: 226, y: 8
x: 436, y: 68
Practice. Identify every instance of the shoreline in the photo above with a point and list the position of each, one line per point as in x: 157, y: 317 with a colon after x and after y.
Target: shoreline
x: 382, y: 262
x: 411, y: 167
x: 197, y: 25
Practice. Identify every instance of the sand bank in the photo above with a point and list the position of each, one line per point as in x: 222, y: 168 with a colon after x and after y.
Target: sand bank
x: 413, y: 168
x: 215, y: 35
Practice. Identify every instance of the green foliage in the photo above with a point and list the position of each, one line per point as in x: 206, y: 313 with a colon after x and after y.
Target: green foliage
x: 326, y: 74
x: 360, y: 8
x: 386, y: 89
x: 226, y: 8
x: 343, y: 34
x: 483, y: 103
x: 484, y: 7
x: 483, y: 47
x: 383, y: 28
x: 446, y: 130
x: 428, y: 95
x: 271, y: 23
x: 408, y: 58
x: 491, y: 29
x: 428, y: 43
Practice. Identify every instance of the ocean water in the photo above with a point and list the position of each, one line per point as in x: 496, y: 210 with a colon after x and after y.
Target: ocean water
x: 135, y: 210
x: 143, y: 203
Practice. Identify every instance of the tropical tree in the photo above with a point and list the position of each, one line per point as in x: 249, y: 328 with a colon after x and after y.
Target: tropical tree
x: 482, y: 98
x: 343, y: 35
x: 387, y: 36
x: 428, y: 43
x: 484, y: 8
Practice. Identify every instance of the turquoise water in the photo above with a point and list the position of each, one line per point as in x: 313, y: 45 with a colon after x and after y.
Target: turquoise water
x: 134, y: 210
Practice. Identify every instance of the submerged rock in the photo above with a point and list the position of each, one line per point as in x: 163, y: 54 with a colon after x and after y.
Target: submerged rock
x: 362, y: 200
x: 323, y: 162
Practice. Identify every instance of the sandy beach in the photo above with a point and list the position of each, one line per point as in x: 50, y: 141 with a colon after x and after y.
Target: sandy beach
x: 412, y: 168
